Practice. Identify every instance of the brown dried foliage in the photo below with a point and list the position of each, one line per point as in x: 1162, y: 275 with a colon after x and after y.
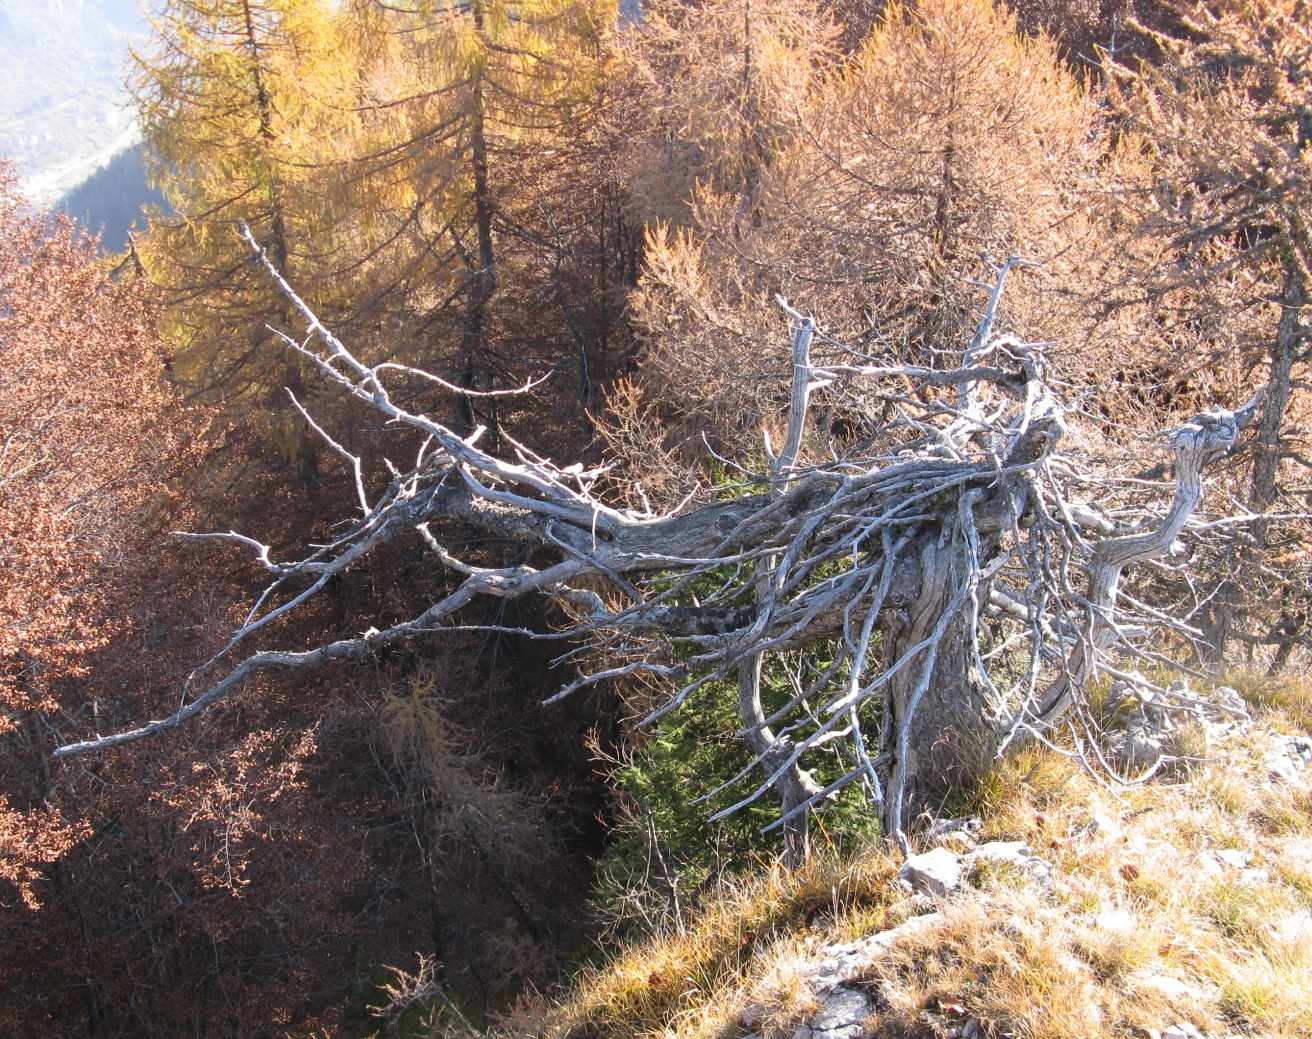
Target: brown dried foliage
x: 1219, y: 256
x: 87, y: 439
x: 947, y: 136
x: 230, y: 877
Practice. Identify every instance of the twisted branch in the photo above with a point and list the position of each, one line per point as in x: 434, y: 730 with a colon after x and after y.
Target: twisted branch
x: 964, y: 529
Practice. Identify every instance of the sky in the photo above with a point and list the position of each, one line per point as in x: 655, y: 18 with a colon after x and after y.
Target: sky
x: 63, y: 105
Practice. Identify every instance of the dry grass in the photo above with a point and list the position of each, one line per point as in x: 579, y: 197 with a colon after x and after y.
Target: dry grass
x: 1148, y: 923
x: 697, y: 981
x: 784, y: 997
x: 1286, y: 700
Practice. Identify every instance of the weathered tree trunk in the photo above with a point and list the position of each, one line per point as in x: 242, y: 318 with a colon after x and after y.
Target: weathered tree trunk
x: 1286, y: 634
x: 951, y: 739
x: 483, y: 279
x: 1225, y: 611
x: 1283, y: 353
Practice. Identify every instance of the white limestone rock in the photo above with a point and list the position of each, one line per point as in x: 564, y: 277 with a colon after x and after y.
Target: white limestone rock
x: 1115, y: 921
x: 843, y: 1014
x: 1170, y: 987
x: 935, y: 872
x: 959, y: 833
x: 1016, y: 854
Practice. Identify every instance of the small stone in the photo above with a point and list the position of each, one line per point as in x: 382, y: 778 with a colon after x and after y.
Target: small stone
x: 1208, y: 865
x: 1235, y: 858
x: 1181, y: 1031
x: 1014, y: 852
x: 1010, y: 853
x: 1138, y: 747
x: 1288, y: 757
x: 836, y: 964
x: 934, y: 872
x: 878, y: 944
x: 966, y: 826
x: 828, y: 974
x: 1102, y: 825
x: 1115, y: 921
x: 843, y: 1008
x: 1171, y: 988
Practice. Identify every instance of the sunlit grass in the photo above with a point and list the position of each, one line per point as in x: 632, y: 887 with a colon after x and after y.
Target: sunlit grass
x: 1149, y: 920
x: 1285, y: 699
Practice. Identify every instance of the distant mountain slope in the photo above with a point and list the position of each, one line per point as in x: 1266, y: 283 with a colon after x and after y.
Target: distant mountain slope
x: 111, y: 199
x: 63, y: 106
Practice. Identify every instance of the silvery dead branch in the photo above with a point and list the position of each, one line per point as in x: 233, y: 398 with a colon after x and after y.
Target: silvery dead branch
x: 958, y: 577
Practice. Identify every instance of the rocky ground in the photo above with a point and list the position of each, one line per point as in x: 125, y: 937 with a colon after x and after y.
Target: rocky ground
x: 1088, y: 926
x: 1053, y: 903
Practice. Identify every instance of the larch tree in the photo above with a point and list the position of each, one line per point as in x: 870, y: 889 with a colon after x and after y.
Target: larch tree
x: 1221, y: 241
x: 720, y: 88
x: 226, y: 92
x: 454, y: 102
x: 720, y: 92
x: 946, y: 136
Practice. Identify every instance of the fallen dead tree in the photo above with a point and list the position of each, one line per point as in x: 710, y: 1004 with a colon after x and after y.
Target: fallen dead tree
x: 966, y: 597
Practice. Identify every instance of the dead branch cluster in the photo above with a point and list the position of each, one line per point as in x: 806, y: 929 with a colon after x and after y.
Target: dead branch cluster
x: 963, y: 580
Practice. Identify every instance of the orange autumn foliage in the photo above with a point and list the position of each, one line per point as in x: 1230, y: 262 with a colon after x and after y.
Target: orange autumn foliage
x: 85, y: 439
x: 248, y: 874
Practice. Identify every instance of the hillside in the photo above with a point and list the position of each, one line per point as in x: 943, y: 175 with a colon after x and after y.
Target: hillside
x: 1060, y: 907
x: 62, y: 101
x: 109, y: 202
x: 657, y: 519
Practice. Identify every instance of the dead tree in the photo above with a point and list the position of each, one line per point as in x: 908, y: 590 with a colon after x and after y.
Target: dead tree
x: 966, y: 593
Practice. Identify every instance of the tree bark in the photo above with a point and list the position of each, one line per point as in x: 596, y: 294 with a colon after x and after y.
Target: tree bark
x: 950, y: 739
x: 483, y: 279
x: 1283, y: 353
x: 302, y: 447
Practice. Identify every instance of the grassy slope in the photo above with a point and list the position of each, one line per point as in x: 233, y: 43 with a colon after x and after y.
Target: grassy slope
x: 1138, y: 897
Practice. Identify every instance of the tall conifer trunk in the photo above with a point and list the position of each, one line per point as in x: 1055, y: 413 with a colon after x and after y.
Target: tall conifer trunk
x: 483, y: 279
x: 1223, y: 616
x: 264, y: 107
x: 301, y: 447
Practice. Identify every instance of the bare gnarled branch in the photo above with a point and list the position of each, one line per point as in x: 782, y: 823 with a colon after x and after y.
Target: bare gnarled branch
x: 954, y: 582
